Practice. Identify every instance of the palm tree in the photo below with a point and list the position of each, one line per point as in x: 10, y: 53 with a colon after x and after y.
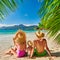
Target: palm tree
x: 50, y: 18
x: 6, y: 6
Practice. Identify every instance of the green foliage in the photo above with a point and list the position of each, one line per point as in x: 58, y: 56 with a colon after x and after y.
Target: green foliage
x: 6, y: 6
x: 58, y: 38
x: 50, y: 17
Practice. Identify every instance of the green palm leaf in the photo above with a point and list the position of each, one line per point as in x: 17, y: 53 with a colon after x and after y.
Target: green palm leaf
x: 7, y: 6
x: 50, y: 20
x: 58, y: 38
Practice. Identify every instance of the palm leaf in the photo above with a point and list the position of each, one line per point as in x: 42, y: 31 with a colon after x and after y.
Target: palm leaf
x: 7, y: 6
x: 50, y: 20
x: 58, y: 38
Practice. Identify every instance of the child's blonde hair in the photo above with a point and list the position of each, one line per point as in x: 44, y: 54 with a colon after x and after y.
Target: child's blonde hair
x: 30, y: 43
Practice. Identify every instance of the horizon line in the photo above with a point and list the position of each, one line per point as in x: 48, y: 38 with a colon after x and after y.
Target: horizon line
x: 1, y: 25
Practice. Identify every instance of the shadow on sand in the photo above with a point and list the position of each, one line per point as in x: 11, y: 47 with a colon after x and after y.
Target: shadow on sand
x: 57, y: 54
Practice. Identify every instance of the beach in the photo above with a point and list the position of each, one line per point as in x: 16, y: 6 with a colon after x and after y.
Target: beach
x: 6, y: 41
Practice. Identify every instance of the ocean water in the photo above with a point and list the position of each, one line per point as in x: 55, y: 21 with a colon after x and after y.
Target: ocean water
x: 14, y: 31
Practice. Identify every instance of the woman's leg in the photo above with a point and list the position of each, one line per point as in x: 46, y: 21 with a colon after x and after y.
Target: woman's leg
x: 13, y: 52
x: 9, y: 52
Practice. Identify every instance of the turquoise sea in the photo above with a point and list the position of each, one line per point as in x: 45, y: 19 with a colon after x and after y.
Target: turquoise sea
x: 14, y: 31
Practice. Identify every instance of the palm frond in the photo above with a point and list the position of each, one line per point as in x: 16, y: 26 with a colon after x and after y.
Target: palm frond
x: 58, y: 38
x: 7, y: 6
x: 50, y: 20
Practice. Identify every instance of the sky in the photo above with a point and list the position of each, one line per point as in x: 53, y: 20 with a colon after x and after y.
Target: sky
x: 26, y: 13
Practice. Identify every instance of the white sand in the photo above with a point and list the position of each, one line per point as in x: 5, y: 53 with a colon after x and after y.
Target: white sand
x: 6, y: 41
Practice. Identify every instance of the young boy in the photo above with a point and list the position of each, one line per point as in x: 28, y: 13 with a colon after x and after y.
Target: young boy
x: 40, y: 46
x: 29, y: 48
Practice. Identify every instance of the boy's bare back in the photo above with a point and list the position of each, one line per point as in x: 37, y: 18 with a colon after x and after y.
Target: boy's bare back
x: 40, y: 45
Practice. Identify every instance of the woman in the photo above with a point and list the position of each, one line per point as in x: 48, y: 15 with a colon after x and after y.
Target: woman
x: 19, y: 40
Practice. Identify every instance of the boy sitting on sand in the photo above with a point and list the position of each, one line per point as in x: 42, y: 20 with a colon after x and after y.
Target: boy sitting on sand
x: 40, y: 46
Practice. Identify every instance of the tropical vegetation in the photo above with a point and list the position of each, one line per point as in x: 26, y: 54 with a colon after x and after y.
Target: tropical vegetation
x: 50, y: 18
x: 7, y: 6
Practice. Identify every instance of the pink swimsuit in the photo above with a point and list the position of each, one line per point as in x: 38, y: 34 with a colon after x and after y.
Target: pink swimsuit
x: 20, y: 53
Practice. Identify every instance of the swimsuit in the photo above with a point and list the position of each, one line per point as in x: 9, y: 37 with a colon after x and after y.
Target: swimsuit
x: 20, y: 53
x: 39, y: 54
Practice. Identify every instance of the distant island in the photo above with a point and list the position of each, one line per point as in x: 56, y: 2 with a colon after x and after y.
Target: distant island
x: 21, y: 26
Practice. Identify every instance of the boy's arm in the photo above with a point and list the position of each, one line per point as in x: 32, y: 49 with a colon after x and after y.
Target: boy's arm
x: 47, y: 49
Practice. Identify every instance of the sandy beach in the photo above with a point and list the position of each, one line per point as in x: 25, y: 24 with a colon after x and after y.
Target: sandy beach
x: 6, y: 41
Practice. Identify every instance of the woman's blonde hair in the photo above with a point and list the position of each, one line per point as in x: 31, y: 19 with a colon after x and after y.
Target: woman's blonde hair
x: 22, y: 37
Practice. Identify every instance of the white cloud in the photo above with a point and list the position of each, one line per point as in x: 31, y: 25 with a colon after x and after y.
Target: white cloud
x: 6, y: 25
x: 29, y: 24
